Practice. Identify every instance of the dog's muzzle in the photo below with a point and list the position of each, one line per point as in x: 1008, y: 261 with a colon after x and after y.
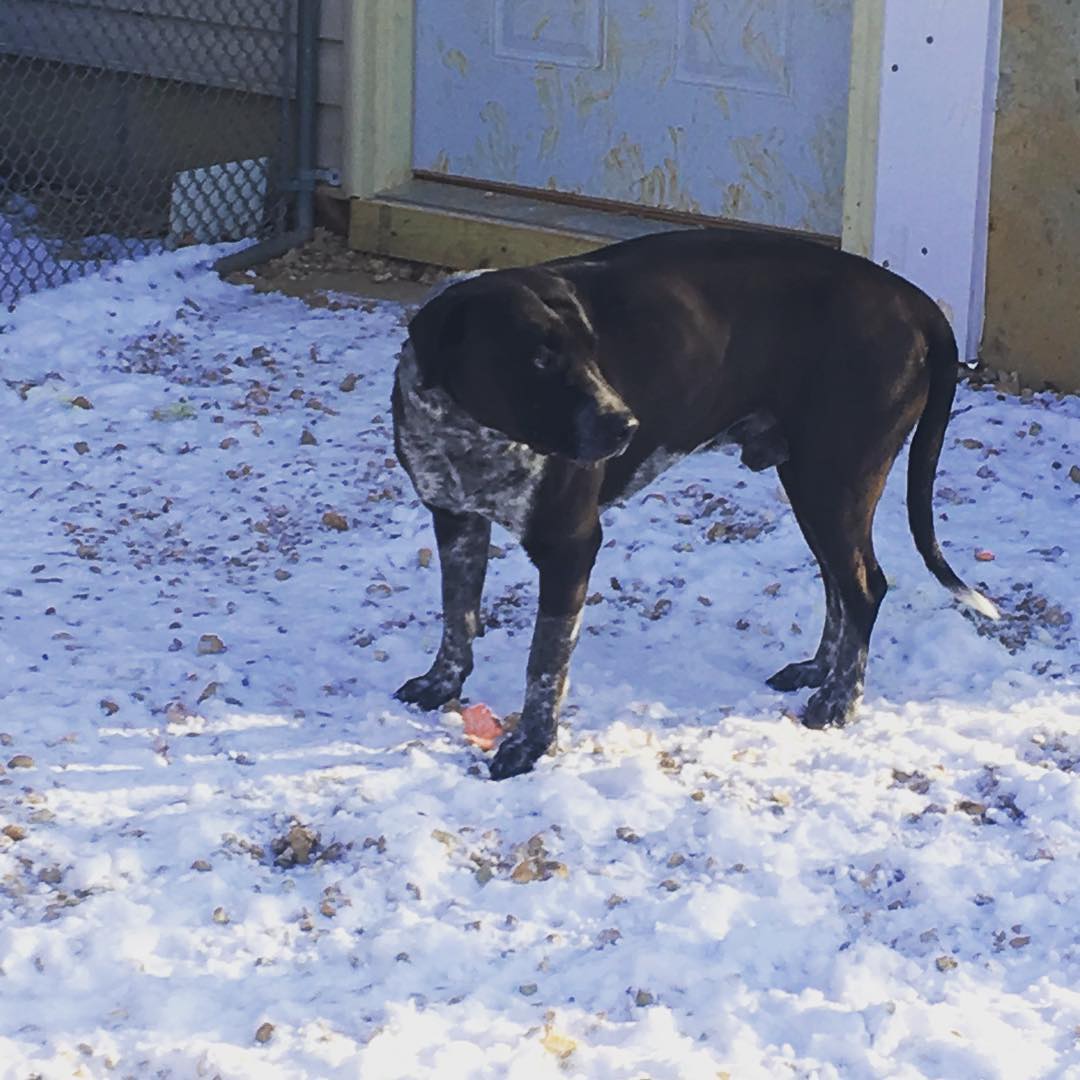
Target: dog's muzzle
x: 603, y: 434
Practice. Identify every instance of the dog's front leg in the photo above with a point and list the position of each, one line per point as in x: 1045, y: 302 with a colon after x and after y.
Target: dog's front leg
x: 463, y: 541
x: 564, y: 568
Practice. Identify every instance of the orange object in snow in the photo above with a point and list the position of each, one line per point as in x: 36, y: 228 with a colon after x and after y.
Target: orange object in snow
x: 481, y: 727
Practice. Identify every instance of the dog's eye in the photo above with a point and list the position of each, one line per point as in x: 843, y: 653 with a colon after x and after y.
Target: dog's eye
x: 544, y: 360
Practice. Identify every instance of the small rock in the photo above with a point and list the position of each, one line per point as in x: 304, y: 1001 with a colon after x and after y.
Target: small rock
x: 1074, y: 474
x: 202, y: 866
x: 82, y: 448
x: 14, y: 832
x: 627, y: 835
x: 282, y: 575
x: 423, y: 557
x: 527, y: 870
x: 527, y: 989
x: 297, y: 846
x: 209, y: 691
x: 220, y: 916
x: 81, y: 402
x: 264, y: 1033
x: 333, y: 520
x: 348, y: 384
x: 982, y: 555
x: 945, y: 963
x: 51, y: 875
x: 21, y: 761
x: 109, y: 707
x: 308, y: 439
x: 670, y: 885
x: 643, y: 999
x: 210, y: 645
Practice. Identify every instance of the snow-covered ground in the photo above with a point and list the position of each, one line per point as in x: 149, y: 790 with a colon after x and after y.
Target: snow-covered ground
x: 227, y: 851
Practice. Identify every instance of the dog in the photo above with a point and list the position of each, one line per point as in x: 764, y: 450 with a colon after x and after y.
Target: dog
x: 534, y: 397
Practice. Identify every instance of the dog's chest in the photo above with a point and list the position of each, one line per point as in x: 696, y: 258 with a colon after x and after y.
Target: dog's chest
x: 460, y: 465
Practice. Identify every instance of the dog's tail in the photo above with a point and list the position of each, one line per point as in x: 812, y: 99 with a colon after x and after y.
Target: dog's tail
x: 942, y: 360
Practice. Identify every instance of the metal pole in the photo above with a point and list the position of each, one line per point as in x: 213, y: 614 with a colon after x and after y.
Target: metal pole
x: 307, y: 93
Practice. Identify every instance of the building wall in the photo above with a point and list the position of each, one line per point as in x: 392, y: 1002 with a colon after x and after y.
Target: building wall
x: 330, y: 145
x: 1033, y: 273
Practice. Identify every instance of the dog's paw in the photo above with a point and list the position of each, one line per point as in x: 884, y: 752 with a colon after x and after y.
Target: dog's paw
x: 516, y: 755
x: 428, y: 691
x: 830, y: 707
x: 796, y: 676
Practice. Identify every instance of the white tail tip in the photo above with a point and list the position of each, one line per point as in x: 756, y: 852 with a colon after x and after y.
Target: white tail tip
x: 977, y: 602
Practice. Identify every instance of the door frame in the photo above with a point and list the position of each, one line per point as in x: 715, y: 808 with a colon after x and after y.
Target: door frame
x: 920, y: 134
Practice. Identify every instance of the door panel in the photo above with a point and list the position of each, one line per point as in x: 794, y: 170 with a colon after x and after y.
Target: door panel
x: 728, y: 108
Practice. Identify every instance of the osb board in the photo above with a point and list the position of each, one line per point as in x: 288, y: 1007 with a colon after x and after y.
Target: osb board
x: 1033, y: 273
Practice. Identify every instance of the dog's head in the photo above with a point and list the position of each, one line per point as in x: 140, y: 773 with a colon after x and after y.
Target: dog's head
x: 516, y: 350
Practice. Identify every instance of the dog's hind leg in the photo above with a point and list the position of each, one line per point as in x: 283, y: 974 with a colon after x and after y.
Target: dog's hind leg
x: 564, y: 567
x: 463, y: 541
x: 839, y: 516
x: 812, y: 672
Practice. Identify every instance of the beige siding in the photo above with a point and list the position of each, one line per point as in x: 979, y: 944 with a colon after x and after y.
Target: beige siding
x: 1033, y: 273
x: 331, y: 134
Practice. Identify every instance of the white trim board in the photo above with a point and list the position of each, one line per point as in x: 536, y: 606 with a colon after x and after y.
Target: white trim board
x: 939, y: 64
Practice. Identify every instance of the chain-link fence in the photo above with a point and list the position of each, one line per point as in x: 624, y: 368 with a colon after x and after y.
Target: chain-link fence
x: 129, y: 126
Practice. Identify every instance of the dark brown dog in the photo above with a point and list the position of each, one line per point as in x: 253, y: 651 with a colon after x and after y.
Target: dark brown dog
x: 534, y: 397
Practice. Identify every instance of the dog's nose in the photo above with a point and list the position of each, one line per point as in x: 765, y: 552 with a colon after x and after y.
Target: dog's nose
x: 605, y: 434
x: 621, y: 428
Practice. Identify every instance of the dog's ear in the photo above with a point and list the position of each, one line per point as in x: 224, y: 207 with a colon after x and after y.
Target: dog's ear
x: 436, y: 331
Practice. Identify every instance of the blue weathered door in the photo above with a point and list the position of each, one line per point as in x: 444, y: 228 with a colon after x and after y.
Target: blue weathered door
x: 729, y: 108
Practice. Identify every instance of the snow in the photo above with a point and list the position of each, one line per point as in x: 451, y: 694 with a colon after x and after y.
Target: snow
x: 196, y: 677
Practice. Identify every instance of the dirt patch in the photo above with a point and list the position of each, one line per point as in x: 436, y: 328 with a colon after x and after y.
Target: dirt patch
x: 327, y: 266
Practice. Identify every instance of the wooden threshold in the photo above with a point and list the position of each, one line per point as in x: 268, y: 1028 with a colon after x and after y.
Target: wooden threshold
x: 468, y: 228
x: 674, y: 218
x: 449, y: 223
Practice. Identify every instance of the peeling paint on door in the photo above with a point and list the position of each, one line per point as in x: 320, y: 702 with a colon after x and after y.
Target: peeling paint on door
x: 457, y: 61
x: 733, y: 108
